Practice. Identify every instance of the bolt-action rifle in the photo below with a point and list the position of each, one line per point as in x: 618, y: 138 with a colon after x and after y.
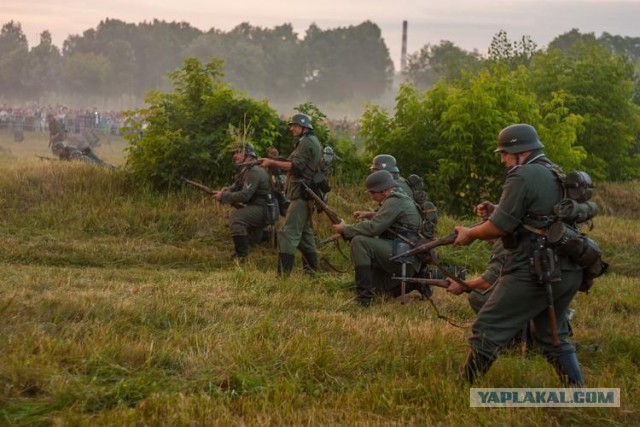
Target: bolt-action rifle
x: 426, y: 247
x: 206, y: 189
x: 322, y: 206
x: 432, y: 244
x: 249, y: 163
x: 198, y: 185
x: 441, y: 283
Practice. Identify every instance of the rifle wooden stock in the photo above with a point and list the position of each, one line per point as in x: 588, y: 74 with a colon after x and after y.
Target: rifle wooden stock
x: 441, y: 283
x: 333, y: 216
x: 551, y: 311
x: 198, y: 185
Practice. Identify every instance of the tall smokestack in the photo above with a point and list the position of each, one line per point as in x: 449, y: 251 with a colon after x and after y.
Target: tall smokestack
x: 403, y: 53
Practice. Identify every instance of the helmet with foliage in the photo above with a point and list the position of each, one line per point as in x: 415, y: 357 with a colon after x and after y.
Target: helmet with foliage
x: 247, y: 149
x: 518, y: 138
x: 379, y: 181
x: 385, y: 162
x: 302, y: 120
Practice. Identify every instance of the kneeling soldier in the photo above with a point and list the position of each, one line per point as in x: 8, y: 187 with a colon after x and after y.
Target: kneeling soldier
x: 372, y: 240
x: 249, y: 193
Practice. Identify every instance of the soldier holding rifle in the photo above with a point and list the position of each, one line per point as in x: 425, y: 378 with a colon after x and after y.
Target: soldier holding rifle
x: 302, y: 165
x: 534, y: 282
x: 372, y: 239
x: 250, y: 191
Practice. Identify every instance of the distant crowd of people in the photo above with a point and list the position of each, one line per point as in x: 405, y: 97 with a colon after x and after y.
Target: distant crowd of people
x: 33, y: 117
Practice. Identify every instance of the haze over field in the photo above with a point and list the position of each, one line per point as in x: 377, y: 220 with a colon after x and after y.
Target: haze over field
x: 470, y: 24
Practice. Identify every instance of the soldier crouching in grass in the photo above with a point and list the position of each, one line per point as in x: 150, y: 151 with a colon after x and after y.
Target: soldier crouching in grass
x: 522, y: 218
x: 372, y: 240
x: 249, y: 192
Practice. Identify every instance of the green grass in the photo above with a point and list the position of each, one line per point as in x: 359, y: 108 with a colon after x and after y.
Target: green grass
x: 119, y: 306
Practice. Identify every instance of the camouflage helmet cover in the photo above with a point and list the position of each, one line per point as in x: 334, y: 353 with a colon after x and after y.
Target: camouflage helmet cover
x: 379, y: 181
x: 518, y: 138
x: 247, y: 149
x: 384, y: 162
x: 302, y: 120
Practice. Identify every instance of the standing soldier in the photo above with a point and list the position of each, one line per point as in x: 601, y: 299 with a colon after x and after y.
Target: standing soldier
x: 521, y: 219
x: 251, y: 191
x: 302, y: 165
x: 372, y: 240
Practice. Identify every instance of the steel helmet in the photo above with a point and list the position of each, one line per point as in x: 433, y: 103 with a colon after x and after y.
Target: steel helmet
x: 302, y: 120
x: 379, y: 181
x: 247, y: 149
x: 385, y: 162
x: 518, y: 138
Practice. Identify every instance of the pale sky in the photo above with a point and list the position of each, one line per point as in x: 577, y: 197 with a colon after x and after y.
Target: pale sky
x: 470, y: 24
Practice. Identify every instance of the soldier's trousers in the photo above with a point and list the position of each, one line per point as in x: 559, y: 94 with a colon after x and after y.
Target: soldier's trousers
x: 247, y: 220
x: 375, y: 253
x: 515, y: 299
x: 297, y: 231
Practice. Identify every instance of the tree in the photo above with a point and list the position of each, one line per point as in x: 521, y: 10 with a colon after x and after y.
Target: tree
x: 13, y: 58
x: 262, y: 62
x: 44, y: 67
x: 445, y: 60
x: 86, y: 74
x: 346, y: 63
x: 504, y: 51
x: 191, y: 131
x: 449, y: 133
x: 599, y: 86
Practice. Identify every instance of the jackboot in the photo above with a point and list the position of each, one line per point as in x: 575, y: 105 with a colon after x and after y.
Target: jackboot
x: 241, y: 245
x: 285, y: 263
x: 310, y: 262
x: 568, y: 370
x: 475, y: 365
x: 364, y: 286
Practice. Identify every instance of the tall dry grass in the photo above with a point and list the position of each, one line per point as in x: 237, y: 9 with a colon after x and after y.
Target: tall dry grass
x: 120, y: 306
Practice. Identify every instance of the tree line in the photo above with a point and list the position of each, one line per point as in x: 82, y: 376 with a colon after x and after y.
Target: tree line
x: 579, y: 93
x: 118, y: 58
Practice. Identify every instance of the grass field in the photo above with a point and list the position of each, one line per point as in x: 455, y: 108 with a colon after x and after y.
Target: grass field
x: 120, y: 306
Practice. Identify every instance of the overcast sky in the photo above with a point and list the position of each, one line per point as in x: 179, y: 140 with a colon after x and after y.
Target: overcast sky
x: 470, y: 24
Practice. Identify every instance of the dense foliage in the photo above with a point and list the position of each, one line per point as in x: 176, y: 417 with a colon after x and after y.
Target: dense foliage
x: 580, y: 100
x: 192, y: 130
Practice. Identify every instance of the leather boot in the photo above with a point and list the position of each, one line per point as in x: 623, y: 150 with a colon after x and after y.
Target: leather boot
x: 285, y: 263
x: 310, y: 262
x: 475, y: 365
x: 364, y: 286
x: 568, y: 370
x: 241, y: 244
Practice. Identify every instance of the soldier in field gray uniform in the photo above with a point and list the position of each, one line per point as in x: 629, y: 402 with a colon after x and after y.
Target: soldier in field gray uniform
x: 521, y: 218
x: 302, y: 165
x: 372, y: 240
x: 429, y: 211
x: 249, y: 194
